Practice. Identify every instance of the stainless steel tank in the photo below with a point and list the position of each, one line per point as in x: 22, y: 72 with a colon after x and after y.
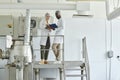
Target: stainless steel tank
x: 21, y: 50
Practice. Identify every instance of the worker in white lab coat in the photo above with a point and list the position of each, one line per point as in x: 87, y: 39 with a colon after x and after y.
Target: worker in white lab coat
x: 58, y: 40
x: 45, y: 38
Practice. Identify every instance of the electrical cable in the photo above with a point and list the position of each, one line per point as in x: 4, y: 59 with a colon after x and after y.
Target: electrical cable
x: 111, y: 35
x: 110, y: 64
x: 110, y: 69
x: 106, y: 44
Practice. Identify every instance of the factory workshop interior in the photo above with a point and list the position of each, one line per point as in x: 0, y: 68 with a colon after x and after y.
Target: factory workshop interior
x: 59, y: 40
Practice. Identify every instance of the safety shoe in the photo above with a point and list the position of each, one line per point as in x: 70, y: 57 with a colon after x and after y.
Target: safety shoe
x: 42, y: 62
x: 45, y: 62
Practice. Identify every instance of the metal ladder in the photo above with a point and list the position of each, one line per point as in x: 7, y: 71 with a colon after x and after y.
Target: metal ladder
x: 80, y: 67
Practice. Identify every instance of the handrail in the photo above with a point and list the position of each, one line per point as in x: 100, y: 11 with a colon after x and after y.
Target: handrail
x: 85, y: 56
x: 49, y: 35
x: 52, y: 49
x: 85, y: 53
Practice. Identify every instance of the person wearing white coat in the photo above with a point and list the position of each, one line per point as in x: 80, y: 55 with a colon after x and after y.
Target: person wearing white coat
x: 45, y: 38
x: 58, y: 40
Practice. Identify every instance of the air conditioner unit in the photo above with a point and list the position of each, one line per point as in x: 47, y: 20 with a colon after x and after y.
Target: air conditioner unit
x: 83, y: 9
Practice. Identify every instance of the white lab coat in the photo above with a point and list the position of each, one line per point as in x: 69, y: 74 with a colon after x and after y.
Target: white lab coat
x: 59, y: 31
x: 44, y: 32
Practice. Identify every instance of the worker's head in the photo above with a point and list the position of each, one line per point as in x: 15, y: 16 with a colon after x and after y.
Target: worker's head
x: 47, y: 16
x: 58, y: 14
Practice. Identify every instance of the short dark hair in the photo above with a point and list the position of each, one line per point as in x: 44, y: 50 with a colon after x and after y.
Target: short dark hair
x: 57, y: 12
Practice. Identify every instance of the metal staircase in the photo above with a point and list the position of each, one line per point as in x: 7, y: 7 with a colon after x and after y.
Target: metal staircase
x: 79, y: 68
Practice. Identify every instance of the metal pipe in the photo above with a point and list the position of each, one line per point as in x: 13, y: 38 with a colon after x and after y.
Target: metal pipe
x: 37, y: 74
x: 27, y: 27
x: 63, y: 57
x: 107, y: 7
x: 61, y: 73
x: 27, y: 49
x: 19, y: 74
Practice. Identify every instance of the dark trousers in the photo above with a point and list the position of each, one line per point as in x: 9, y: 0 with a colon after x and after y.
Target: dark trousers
x: 45, y: 49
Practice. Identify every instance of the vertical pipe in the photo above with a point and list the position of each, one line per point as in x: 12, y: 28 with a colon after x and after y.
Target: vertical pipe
x: 61, y: 73
x: 37, y: 74
x: 19, y: 74
x: 110, y: 62
x: 107, y: 7
x: 27, y: 27
x: 63, y: 56
x: 63, y: 50
x: 27, y: 48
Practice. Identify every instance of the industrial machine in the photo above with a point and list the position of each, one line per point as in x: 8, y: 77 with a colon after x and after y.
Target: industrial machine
x: 21, y: 66
x: 18, y: 54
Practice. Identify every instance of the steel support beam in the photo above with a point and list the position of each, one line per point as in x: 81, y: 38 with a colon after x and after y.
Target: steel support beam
x: 111, y: 15
x: 114, y: 14
x: 41, y: 6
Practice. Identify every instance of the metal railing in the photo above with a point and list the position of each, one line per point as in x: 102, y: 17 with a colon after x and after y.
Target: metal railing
x: 53, y: 36
x: 61, y: 69
x: 85, y: 56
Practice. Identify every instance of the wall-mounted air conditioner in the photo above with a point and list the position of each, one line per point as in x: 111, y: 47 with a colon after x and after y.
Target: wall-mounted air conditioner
x: 83, y: 9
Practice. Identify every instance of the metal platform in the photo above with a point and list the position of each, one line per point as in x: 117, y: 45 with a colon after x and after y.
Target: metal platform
x: 64, y: 66
x: 51, y: 64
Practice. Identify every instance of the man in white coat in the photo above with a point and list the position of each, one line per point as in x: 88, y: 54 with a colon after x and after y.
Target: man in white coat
x: 58, y: 40
x: 45, y: 38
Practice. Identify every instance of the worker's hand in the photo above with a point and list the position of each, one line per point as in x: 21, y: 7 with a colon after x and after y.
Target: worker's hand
x: 48, y: 27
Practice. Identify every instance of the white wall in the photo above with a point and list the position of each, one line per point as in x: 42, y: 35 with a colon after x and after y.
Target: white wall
x: 114, y: 45
x: 98, y: 33
x: 94, y: 30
